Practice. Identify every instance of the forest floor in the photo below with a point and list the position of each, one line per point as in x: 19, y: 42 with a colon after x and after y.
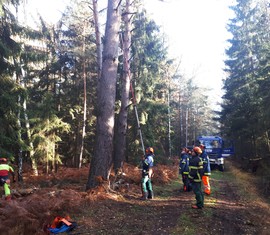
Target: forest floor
x: 236, y: 205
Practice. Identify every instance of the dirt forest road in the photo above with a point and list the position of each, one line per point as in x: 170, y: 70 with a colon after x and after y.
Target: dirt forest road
x: 234, y: 208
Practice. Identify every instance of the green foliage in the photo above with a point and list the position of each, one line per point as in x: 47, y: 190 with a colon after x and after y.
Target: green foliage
x: 8, y: 46
x: 245, y: 113
x: 48, y: 89
x: 148, y: 56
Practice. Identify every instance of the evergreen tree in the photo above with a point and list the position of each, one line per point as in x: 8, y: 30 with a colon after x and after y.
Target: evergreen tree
x: 243, y: 112
x: 148, y: 55
x: 10, y: 91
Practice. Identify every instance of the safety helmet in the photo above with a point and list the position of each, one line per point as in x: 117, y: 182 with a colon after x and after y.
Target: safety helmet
x: 149, y: 150
x: 197, y: 150
x: 2, y: 159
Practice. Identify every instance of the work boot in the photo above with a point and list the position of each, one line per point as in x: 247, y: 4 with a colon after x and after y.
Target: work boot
x: 144, y: 196
x: 150, y: 194
x: 195, y: 207
x: 8, y: 198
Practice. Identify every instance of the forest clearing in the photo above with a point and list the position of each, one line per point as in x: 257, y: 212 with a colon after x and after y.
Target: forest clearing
x: 84, y: 96
x: 236, y: 205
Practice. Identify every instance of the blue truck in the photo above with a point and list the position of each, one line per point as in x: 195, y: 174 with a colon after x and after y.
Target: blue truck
x: 217, y: 149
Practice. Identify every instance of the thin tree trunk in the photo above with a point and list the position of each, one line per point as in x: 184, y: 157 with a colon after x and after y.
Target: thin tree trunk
x: 102, y: 159
x: 84, y: 104
x: 31, y: 152
x: 267, y: 140
x: 27, y: 126
x: 186, y: 124
x: 98, y: 37
x: 120, y: 138
x: 20, y: 162
x: 180, y: 113
x: 169, y: 121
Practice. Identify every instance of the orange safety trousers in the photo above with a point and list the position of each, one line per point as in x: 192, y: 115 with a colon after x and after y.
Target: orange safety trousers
x: 206, y: 184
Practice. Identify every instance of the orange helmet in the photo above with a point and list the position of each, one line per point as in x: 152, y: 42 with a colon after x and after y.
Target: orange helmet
x: 149, y: 150
x: 197, y: 150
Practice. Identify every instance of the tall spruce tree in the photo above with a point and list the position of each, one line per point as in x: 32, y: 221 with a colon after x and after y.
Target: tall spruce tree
x: 10, y: 137
x: 242, y: 109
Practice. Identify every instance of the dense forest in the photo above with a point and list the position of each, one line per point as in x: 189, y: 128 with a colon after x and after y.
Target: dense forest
x: 79, y: 92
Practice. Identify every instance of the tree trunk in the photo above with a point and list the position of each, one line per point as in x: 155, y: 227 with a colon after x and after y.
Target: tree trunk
x: 98, y: 37
x: 102, y: 159
x: 20, y: 162
x: 120, y: 138
x: 84, y: 104
x: 27, y: 126
x: 169, y: 122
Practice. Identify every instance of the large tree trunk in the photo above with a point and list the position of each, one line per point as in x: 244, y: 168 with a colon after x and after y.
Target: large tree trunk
x: 102, y: 159
x: 120, y: 138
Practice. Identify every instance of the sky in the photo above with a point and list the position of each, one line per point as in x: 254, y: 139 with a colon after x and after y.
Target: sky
x: 197, y: 37
x: 51, y: 10
x: 195, y: 31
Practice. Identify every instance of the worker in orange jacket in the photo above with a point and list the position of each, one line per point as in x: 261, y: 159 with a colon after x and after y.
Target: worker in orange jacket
x: 5, y: 169
x: 206, y: 170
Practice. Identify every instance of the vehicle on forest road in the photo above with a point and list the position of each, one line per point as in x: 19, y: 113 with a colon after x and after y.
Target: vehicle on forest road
x: 217, y: 149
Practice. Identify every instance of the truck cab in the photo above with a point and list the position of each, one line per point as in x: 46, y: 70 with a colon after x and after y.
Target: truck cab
x: 217, y: 149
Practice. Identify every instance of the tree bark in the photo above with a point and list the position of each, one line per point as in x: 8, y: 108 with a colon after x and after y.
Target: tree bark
x: 27, y: 126
x: 81, y: 144
x: 120, y: 138
x: 98, y: 37
x: 102, y: 159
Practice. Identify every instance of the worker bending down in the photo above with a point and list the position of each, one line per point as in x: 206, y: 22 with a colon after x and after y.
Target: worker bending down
x: 5, y: 169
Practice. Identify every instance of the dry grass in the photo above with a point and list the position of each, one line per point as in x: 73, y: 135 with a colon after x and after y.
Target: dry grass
x: 249, y: 184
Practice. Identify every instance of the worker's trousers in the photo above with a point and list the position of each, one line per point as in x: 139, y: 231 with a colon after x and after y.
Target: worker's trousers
x: 146, y: 184
x: 6, y: 183
x: 197, y: 189
x: 186, y: 183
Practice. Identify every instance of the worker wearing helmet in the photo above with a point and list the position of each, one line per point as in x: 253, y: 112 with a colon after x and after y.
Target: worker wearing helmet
x: 5, y: 169
x: 184, y: 169
x: 147, y: 174
x: 206, y: 171
x: 195, y: 176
